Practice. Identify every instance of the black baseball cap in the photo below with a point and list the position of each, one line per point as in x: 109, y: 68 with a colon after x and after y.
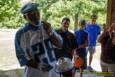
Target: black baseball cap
x: 29, y: 7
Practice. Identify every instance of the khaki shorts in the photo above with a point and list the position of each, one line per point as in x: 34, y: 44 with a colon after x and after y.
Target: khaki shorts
x: 91, y: 50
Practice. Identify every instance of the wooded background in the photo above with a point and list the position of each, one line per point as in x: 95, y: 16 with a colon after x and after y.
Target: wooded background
x: 53, y: 11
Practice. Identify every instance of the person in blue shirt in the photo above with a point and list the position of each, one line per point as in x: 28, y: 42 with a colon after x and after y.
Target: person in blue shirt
x: 34, y: 44
x: 93, y: 30
x: 82, y: 42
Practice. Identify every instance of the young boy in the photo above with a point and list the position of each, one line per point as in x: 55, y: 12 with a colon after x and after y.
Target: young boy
x: 82, y: 41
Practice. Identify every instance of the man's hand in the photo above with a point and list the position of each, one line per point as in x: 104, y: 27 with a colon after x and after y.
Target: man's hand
x: 44, y: 67
x: 47, y: 27
x: 55, y: 38
x: 32, y: 63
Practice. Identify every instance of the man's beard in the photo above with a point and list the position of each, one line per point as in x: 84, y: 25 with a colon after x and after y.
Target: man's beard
x: 34, y: 19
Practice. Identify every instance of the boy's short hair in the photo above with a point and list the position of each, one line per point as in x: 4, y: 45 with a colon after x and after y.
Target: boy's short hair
x: 83, y: 22
x: 66, y: 18
x: 93, y: 16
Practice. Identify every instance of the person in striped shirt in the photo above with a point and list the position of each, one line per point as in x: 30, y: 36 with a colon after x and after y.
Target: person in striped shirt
x: 34, y: 44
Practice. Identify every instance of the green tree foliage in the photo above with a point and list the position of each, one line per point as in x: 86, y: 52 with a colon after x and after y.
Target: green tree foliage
x: 84, y: 9
x: 53, y: 11
x: 45, y: 5
x: 9, y: 14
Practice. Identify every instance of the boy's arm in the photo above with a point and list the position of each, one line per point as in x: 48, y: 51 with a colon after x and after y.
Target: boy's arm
x: 55, y: 38
x: 86, y: 43
x: 20, y: 52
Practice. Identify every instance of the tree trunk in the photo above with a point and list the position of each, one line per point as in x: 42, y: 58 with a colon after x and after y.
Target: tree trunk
x: 76, y: 21
x: 110, y: 12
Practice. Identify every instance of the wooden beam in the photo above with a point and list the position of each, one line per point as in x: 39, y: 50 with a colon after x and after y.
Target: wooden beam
x: 110, y: 12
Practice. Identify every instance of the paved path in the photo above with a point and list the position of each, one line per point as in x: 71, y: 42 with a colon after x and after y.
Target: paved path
x: 7, y: 51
